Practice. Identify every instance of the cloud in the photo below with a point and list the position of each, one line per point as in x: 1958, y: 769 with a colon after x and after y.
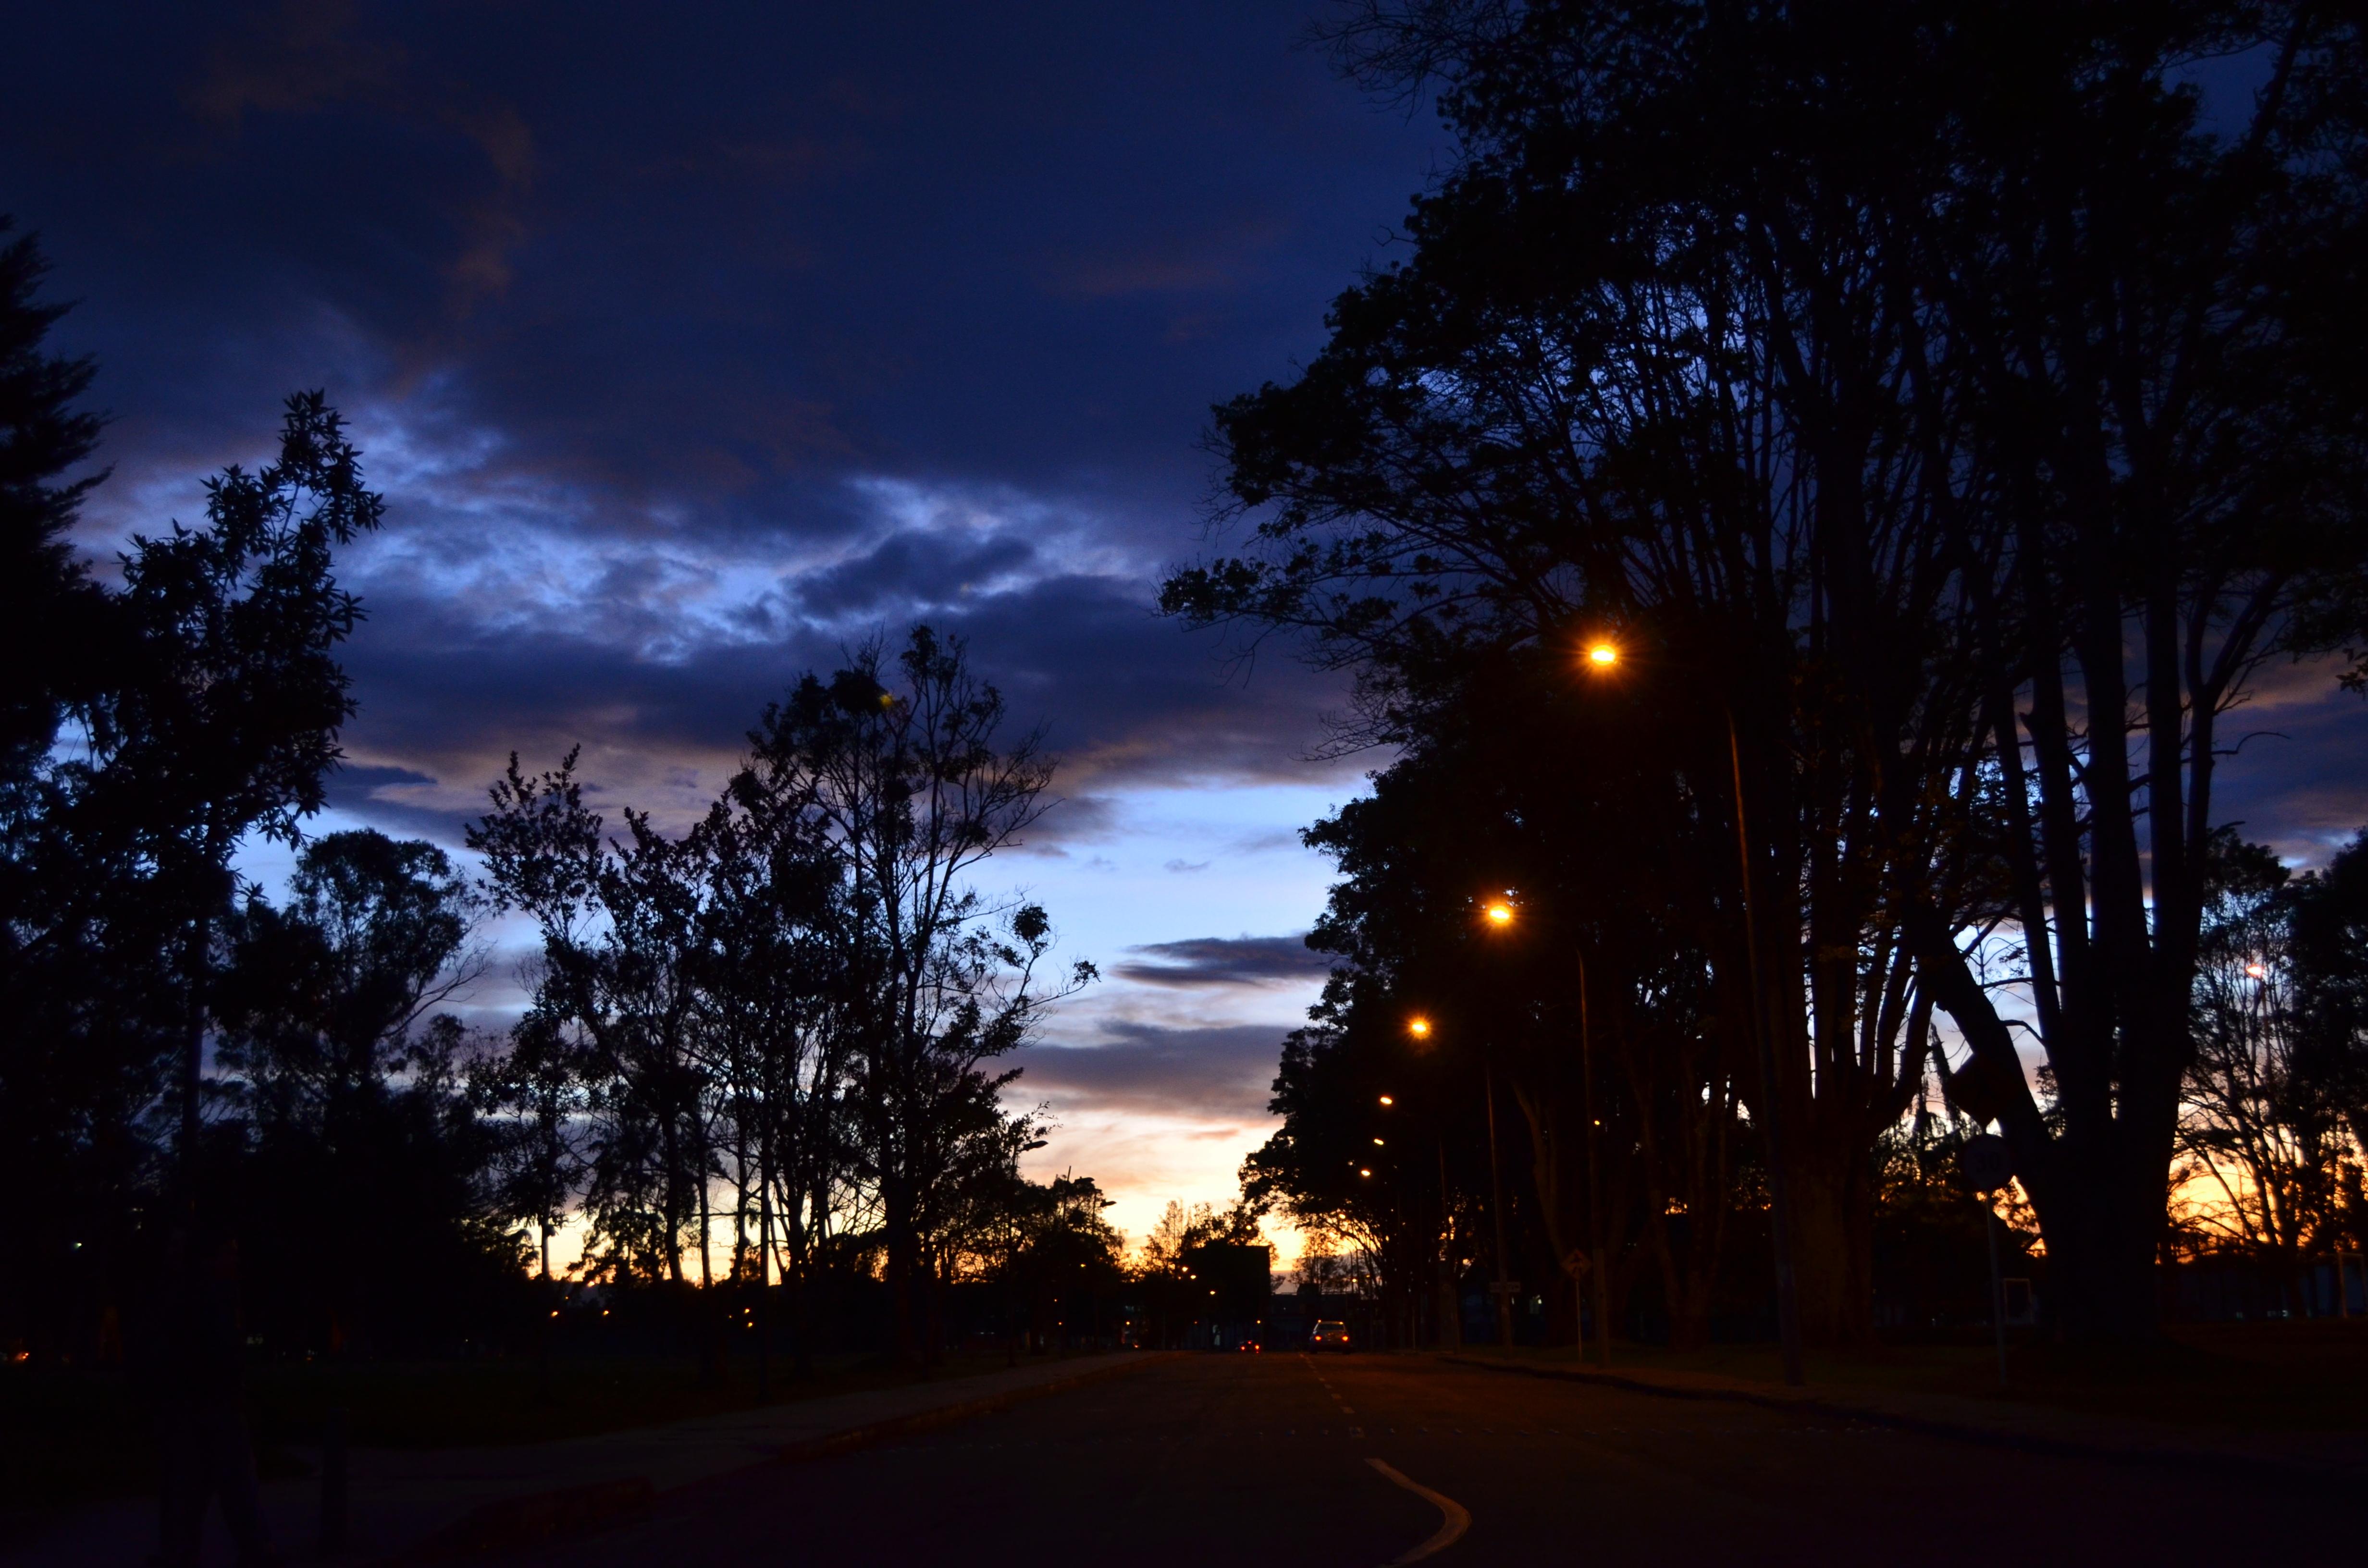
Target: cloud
x: 1225, y: 960
x: 1219, y: 1073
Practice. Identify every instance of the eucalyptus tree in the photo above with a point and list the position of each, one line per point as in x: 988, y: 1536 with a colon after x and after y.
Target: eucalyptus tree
x: 2330, y: 938
x: 1930, y: 395
x: 2146, y: 304
x: 2258, y: 1128
x: 900, y: 769
x: 620, y: 922
x: 364, y: 1178
x: 532, y: 1095
x: 771, y: 1006
x: 1658, y: 372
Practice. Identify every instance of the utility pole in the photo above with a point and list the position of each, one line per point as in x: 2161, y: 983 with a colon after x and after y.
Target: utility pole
x: 1788, y: 1300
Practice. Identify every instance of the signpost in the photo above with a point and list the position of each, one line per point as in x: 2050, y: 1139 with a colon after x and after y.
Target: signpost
x: 1988, y: 1165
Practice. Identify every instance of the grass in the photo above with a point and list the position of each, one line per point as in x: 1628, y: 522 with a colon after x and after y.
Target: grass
x: 2297, y: 1375
x: 72, y: 1437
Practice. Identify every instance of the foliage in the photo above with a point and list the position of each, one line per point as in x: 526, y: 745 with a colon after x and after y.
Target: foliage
x: 799, y: 996
x: 1934, y: 411
x: 2264, y: 1130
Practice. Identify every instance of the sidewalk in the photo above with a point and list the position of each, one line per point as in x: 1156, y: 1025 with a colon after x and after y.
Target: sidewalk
x: 2307, y: 1457
x: 414, y: 1505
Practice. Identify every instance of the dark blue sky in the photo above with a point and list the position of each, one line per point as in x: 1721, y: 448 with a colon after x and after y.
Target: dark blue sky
x: 691, y: 342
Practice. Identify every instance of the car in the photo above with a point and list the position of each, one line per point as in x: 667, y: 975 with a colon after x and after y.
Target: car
x: 1329, y: 1334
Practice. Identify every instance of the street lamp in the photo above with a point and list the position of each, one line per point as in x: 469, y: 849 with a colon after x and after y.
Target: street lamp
x: 1499, y: 915
x: 1420, y: 1028
x: 1601, y: 656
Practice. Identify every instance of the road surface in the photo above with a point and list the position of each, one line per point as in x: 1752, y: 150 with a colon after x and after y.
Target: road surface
x: 1225, y: 1459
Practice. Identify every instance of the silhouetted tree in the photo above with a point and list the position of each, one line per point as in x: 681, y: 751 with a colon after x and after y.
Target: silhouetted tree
x: 208, y: 711
x: 910, y: 792
x: 227, y: 722
x: 1885, y: 377
x: 2328, y: 939
x: 50, y: 611
x: 361, y: 1174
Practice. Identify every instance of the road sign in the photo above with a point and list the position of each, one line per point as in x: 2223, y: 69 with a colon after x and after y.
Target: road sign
x: 1988, y: 1163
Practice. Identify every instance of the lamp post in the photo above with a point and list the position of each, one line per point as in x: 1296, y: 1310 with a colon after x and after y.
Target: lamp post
x: 1594, y: 1204
x: 1601, y: 656
x: 1497, y: 913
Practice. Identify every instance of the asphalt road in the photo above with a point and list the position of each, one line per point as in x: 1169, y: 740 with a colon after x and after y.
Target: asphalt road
x: 1221, y: 1460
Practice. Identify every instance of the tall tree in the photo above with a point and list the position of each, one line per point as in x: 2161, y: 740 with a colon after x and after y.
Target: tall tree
x: 1888, y: 375
x: 2258, y: 1130
x: 50, y: 611
x: 2329, y: 950
x: 1655, y: 372
x: 908, y: 786
x: 2178, y: 463
x: 363, y: 1177
x: 227, y: 722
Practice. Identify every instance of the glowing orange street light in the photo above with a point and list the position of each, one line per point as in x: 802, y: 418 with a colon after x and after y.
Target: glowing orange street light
x: 1386, y: 1101
x: 1602, y: 656
x: 1498, y: 913
x: 1420, y: 1028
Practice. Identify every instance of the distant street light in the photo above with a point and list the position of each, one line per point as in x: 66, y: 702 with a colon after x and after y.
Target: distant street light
x: 1386, y: 1101
x: 1602, y: 656
x: 1420, y: 1028
x: 1498, y: 913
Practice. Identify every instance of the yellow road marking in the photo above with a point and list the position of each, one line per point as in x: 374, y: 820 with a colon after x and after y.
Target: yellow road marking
x: 1455, y: 1519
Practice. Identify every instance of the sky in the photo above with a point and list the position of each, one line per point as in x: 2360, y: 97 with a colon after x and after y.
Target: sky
x: 691, y: 345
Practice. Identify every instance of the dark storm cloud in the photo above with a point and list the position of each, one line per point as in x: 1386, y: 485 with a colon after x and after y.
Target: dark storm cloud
x: 1225, y: 960
x: 2298, y: 780
x: 690, y: 344
x: 909, y: 565
x: 1121, y: 696
x: 707, y: 254
x: 1222, y: 1073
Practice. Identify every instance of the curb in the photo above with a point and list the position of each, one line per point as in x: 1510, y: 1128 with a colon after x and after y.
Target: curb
x: 535, y: 1518
x: 2300, y: 1473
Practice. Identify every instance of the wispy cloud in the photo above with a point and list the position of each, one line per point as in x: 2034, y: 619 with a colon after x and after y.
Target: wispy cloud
x: 1224, y: 961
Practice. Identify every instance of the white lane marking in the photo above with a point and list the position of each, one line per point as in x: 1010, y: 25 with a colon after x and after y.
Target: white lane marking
x: 1455, y: 1519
